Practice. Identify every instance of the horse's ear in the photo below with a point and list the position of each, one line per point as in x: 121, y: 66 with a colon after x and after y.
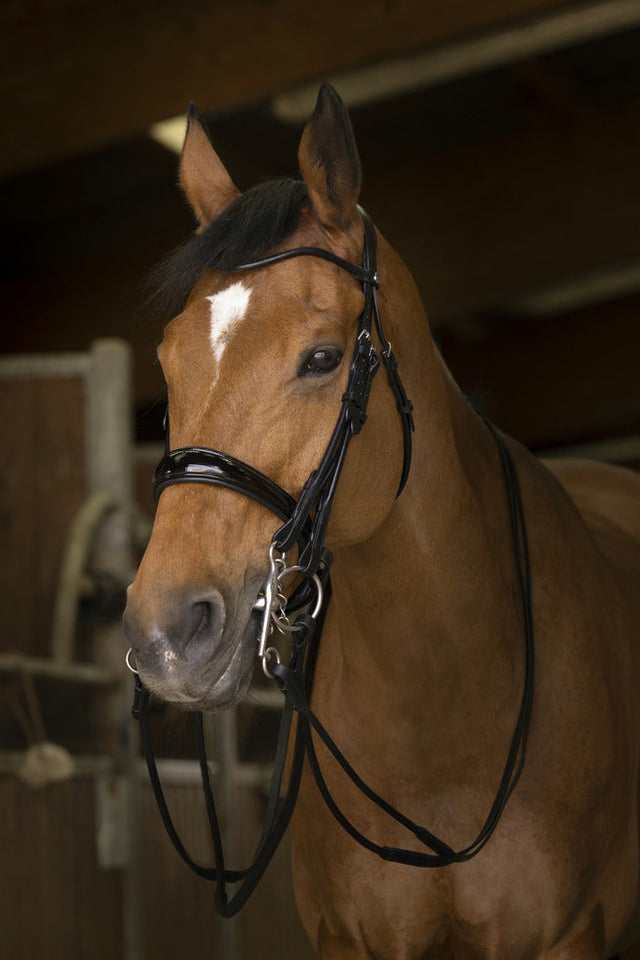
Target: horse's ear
x: 329, y: 162
x: 203, y: 176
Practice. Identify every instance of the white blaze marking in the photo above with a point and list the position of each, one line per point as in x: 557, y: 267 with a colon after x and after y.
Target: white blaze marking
x: 227, y: 309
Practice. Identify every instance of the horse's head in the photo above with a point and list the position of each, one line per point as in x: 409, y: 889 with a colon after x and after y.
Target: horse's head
x: 256, y: 366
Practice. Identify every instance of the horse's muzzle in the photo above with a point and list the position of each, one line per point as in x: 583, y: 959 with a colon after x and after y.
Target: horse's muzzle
x: 179, y: 645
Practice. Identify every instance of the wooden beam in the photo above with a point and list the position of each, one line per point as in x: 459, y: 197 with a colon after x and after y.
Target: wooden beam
x: 599, y: 285
x: 620, y: 450
x: 83, y: 673
x: 460, y: 57
x: 76, y: 76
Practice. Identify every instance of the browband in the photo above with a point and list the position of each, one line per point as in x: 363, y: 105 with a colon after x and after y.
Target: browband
x: 362, y: 274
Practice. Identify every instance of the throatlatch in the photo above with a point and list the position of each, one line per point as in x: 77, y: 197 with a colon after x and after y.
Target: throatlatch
x: 305, y: 524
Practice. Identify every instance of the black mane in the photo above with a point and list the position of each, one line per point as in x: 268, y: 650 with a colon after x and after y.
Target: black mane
x: 251, y: 228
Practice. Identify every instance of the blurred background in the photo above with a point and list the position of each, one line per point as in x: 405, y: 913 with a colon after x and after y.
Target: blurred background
x: 500, y: 144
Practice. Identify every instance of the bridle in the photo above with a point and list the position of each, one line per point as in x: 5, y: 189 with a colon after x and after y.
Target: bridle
x: 306, y: 520
x: 305, y: 524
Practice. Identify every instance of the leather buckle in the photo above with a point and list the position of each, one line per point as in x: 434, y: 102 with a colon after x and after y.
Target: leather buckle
x: 356, y: 397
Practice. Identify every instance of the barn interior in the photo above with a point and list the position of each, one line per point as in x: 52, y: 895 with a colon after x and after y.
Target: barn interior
x: 500, y: 145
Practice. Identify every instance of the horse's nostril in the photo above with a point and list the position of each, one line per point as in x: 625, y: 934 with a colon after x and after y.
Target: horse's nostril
x: 205, y: 616
x: 184, y: 630
x: 207, y: 620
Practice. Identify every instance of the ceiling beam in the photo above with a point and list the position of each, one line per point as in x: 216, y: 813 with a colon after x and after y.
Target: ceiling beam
x: 485, y: 50
x: 79, y: 75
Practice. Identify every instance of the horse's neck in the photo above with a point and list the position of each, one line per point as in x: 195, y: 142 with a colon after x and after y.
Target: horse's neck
x: 427, y: 611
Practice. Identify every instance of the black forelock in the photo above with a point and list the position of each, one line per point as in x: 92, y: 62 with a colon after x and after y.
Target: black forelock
x: 251, y: 228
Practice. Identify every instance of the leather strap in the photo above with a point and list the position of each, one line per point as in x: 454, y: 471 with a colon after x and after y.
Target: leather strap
x: 204, y: 465
x: 295, y: 681
x: 442, y: 854
x: 364, y: 274
x: 279, y: 810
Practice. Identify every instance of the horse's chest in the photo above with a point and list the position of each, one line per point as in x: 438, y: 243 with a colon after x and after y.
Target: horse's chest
x: 450, y: 916
x: 492, y: 907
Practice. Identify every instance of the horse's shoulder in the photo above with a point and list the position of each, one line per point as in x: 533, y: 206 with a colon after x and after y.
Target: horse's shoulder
x: 606, y: 495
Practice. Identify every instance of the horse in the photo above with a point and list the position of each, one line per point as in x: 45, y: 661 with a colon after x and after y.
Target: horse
x: 420, y: 673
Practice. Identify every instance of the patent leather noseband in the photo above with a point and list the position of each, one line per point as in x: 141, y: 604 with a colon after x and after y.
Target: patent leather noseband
x: 306, y: 519
x: 203, y: 465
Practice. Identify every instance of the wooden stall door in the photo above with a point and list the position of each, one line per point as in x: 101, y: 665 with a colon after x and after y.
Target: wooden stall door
x: 56, y: 899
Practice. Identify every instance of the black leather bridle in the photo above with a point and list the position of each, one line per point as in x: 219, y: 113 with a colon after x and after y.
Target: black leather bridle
x: 306, y: 520
x: 305, y: 524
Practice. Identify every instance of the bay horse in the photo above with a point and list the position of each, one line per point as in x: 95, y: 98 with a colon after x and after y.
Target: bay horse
x: 422, y: 664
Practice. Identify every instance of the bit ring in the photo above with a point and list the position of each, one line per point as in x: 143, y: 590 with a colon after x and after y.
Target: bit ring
x: 128, y: 661
x: 269, y: 652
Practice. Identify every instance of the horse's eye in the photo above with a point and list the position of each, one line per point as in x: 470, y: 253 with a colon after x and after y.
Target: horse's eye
x: 321, y: 361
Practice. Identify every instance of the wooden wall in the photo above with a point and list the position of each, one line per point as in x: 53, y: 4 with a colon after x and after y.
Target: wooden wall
x: 42, y: 485
x: 58, y: 898
x: 176, y: 907
x: 55, y: 901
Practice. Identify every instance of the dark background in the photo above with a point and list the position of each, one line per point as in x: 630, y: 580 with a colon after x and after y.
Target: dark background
x: 511, y: 191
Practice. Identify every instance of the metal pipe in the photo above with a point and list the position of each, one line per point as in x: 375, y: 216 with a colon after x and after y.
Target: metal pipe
x: 72, y: 574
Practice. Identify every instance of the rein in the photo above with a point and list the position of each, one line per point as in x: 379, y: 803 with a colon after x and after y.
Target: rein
x: 305, y: 524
